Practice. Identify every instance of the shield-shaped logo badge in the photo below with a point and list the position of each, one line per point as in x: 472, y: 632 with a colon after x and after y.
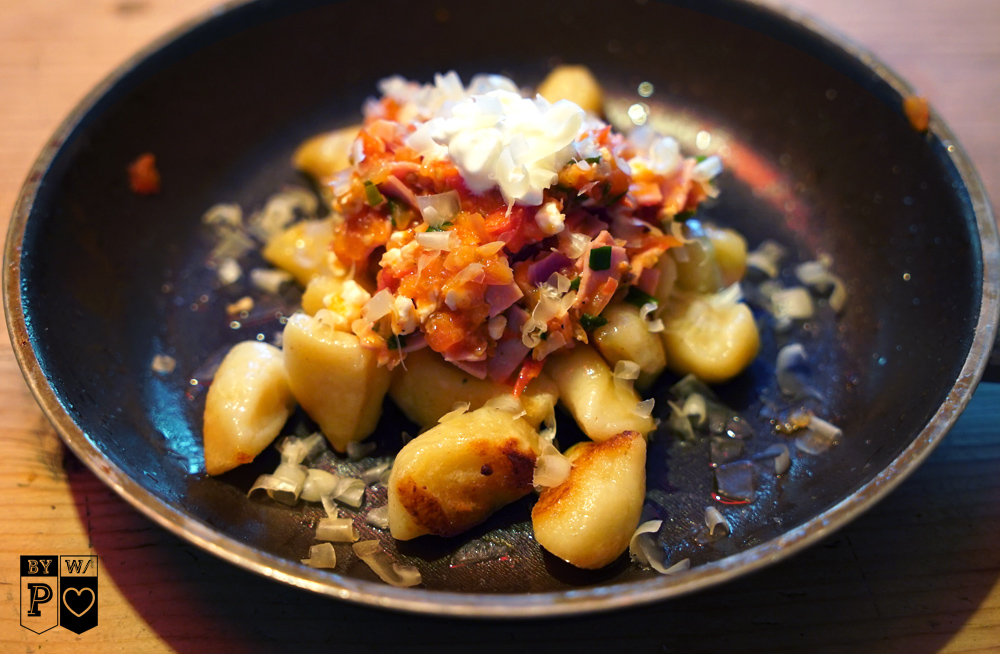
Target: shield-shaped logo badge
x: 78, y: 593
x: 39, y: 592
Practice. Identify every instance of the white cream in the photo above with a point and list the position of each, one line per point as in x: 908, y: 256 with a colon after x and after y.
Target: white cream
x: 550, y: 220
x: 495, y: 137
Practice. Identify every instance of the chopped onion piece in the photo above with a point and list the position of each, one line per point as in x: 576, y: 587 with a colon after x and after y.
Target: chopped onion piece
x: 296, y: 450
x: 317, y: 484
x: 378, y: 517
x: 782, y: 458
x: 550, y: 345
x: 372, y: 475
x: 723, y: 450
x: 825, y: 428
x: 628, y: 370
x: 794, y: 303
x: 767, y: 258
x: 378, y: 307
x: 644, y: 409
x: 434, y: 240
x: 815, y: 275
x: 439, y: 209
x: 321, y: 556
x: 707, y: 169
x: 655, y: 325
x: 577, y: 245
x: 349, y: 491
x: 284, y: 486
x: 337, y: 530
x: 695, y: 409
x: 371, y: 552
x: 679, y: 423
x: 727, y: 296
x: 163, y: 364
x: 713, y: 518
x: 680, y: 566
x: 508, y: 403
x: 551, y: 467
x: 224, y: 216
x: 457, y: 409
x: 269, y: 280
x: 228, y: 271
x: 357, y: 450
x: 791, y: 366
x: 634, y: 550
x: 839, y: 295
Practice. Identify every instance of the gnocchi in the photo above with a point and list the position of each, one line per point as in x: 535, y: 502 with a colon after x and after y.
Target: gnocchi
x: 626, y: 337
x: 454, y: 475
x: 589, y: 519
x: 247, y: 405
x: 335, y: 380
x: 430, y: 387
x: 587, y: 389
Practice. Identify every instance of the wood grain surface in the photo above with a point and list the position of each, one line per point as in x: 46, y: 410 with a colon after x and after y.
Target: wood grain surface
x: 917, y: 574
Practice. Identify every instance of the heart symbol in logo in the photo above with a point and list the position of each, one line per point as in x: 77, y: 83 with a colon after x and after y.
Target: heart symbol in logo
x: 79, y: 592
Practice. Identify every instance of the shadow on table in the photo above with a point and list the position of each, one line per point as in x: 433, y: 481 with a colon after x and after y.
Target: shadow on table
x: 904, y: 577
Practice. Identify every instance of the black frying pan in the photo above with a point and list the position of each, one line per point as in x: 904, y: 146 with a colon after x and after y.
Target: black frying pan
x: 98, y: 280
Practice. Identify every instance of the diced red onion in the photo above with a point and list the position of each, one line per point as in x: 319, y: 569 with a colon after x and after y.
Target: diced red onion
x: 540, y: 271
x: 393, y: 187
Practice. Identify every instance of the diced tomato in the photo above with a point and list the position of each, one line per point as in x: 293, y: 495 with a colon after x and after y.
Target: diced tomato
x: 529, y: 370
x: 143, y: 177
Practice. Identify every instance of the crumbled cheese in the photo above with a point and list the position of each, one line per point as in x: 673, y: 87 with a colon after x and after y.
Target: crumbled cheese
x: 391, y: 258
x: 550, y: 220
x: 403, y: 308
x: 425, y: 308
x: 354, y: 294
x: 496, y: 326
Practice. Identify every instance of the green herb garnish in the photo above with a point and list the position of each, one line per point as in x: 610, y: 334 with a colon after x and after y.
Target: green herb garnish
x: 396, y: 342
x: 600, y: 258
x: 443, y: 227
x: 373, y: 195
x: 590, y: 323
x: 593, y: 160
x: 684, y: 215
x: 575, y: 284
x: 638, y: 297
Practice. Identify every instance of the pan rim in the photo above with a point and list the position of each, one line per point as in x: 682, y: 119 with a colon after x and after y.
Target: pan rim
x: 528, y: 605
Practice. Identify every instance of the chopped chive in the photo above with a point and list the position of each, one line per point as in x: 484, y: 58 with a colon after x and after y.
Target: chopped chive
x: 544, y: 336
x: 638, y: 297
x: 373, y: 195
x: 439, y: 228
x: 396, y: 342
x: 616, y: 198
x: 590, y: 323
x: 593, y: 160
x: 684, y: 215
x: 700, y: 158
x: 575, y: 284
x: 600, y: 258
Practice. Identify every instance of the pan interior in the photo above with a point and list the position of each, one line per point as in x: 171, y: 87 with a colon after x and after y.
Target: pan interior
x: 818, y: 159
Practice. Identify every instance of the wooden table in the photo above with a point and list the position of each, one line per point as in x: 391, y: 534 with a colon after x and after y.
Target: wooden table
x: 919, y: 573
